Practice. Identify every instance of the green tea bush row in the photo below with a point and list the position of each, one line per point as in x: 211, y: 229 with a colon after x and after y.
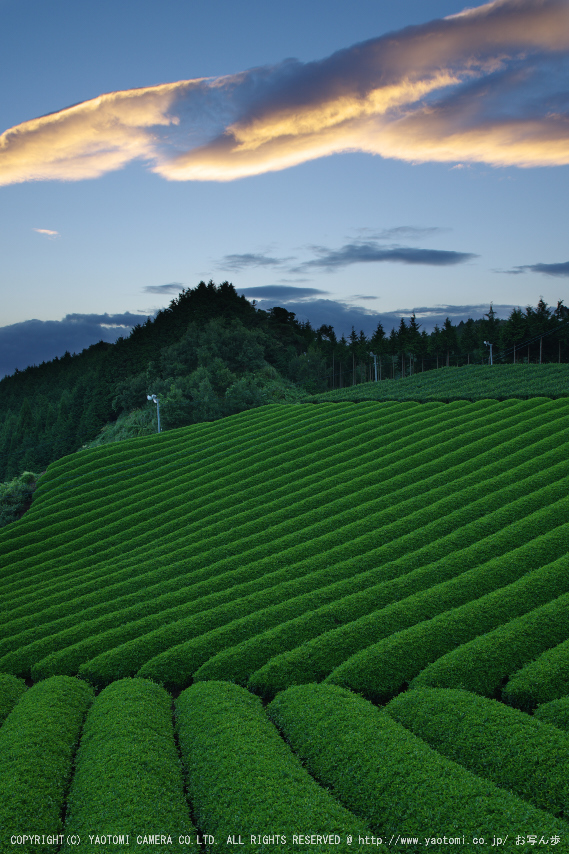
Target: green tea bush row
x: 390, y: 607
x: 120, y: 659
x: 231, y: 469
x: 132, y: 461
x: 470, y: 382
x: 128, y: 777
x: 381, y: 670
x: 389, y: 532
x: 393, y: 780
x: 94, y: 547
x: 484, y: 664
x: 315, y: 659
x: 37, y: 743
x: 11, y: 690
x: 546, y: 678
x: 515, y: 751
x: 243, y: 781
x: 363, y: 483
x: 556, y: 713
x: 173, y: 528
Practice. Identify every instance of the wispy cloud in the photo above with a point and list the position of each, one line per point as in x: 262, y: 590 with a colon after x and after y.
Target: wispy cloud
x: 170, y: 288
x: 283, y: 293
x: 366, y: 252
x: 47, y: 231
x: 250, y: 259
x: 400, y: 232
x: 486, y: 85
x: 549, y: 269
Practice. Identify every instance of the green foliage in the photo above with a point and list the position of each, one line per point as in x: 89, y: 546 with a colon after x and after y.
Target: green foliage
x: 16, y: 497
x: 484, y: 664
x: 556, y: 713
x: 357, y: 499
x: 392, y: 779
x: 11, y: 690
x: 242, y: 779
x: 131, y: 425
x: 381, y: 670
x: 128, y: 778
x: 546, y: 678
x: 469, y: 382
x: 332, y: 646
x: 37, y: 743
x: 515, y: 751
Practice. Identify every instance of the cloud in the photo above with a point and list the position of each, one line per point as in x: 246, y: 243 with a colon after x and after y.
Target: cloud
x: 249, y: 259
x: 362, y: 252
x: 47, y: 231
x: 170, y: 288
x: 549, y: 269
x: 34, y: 341
x: 487, y: 85
x: 281, y: 293
x: 407, y: 232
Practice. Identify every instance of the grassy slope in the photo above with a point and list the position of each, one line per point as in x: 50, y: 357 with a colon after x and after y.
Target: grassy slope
x: 273, y: 529
x: 470, y: 382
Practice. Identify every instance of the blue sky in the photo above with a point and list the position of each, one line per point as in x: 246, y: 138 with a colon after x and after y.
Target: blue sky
x: 427, y: 170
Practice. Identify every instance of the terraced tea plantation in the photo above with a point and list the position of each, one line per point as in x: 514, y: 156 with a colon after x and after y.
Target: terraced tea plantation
x: 283, y: 576
x: 469, y: 382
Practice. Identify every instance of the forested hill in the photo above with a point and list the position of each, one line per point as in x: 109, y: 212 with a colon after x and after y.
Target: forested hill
x: 207, y: 342
x: 212, y: 353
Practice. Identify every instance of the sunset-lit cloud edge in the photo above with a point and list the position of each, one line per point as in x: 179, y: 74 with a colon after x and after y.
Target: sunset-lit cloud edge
x: 472, y: 87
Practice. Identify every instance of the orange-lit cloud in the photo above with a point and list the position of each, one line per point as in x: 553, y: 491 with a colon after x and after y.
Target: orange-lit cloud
x: 486, y: 85
x: 47, y: 231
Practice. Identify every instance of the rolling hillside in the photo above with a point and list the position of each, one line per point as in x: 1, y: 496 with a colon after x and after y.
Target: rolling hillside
x: 372, y: 547
x: 469, y: 382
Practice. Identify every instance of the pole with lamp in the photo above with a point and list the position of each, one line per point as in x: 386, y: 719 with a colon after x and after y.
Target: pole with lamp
x: 157, y: 402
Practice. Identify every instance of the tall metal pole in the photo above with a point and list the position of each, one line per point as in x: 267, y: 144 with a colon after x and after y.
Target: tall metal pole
x: 155, y: 400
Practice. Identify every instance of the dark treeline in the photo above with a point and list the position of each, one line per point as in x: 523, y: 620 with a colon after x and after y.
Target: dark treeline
x: 212, y: 353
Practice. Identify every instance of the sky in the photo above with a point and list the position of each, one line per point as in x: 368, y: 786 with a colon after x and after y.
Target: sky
x: 352, y: 160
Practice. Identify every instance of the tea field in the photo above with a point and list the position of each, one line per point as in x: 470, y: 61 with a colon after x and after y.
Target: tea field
x: 302, y: 627
x: 468, y: 382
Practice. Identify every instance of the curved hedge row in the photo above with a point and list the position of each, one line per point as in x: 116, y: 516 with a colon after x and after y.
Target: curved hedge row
x: 244, y: 782
x: 528, y: 412
x: 349, y: 623
x: 37, y: 744
x: 381, y: 670
x: 317, y: 659
x: 469, y: 382
x: 555, y: 713
x: 174, y: 644
x: 11, y: 689
x: 134, y: 643
x: 283, y: 508
x: 128, y: 778
x: 392, y: 779
x: 484, y: 664
x: 168, y: 529
x: 501, y: 744
x: 59, y: 606
x: 546, y: 678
